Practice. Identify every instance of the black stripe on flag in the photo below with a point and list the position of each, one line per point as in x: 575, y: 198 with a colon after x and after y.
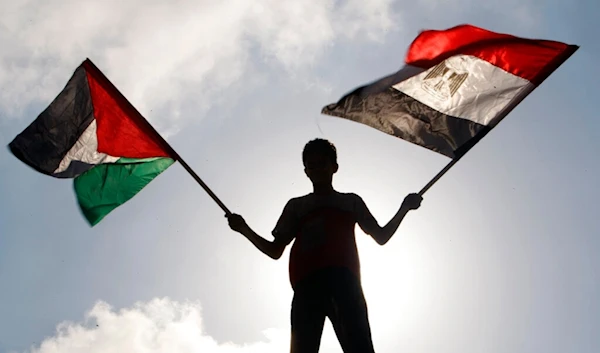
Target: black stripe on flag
x: 400, y: 115
x: 44, y: 143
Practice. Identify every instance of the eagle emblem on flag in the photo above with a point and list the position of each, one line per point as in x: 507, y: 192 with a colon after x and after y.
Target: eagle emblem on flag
x: 443, y: 80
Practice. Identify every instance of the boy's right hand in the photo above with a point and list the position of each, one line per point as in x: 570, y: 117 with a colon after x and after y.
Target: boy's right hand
x: 237, y: 223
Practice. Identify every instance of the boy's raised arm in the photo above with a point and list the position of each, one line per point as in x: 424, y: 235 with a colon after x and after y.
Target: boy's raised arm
x: 383, y: 234
x: 284, y: 232
x: 274, y: 249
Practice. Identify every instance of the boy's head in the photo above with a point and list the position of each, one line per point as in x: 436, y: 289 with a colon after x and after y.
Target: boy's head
x: 320, y: 161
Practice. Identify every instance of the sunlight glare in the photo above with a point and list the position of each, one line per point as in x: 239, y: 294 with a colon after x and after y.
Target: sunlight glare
x: 399, y: 281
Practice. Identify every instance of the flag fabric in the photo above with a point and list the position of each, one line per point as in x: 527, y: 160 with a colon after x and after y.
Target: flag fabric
x: 92, y: 134
x: 454, y: 87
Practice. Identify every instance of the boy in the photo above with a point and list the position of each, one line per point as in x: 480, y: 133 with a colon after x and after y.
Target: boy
x: 324, y: 267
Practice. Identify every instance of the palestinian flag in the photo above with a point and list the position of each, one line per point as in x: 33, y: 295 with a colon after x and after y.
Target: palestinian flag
x: 455, y: 86
x: 92, y: 134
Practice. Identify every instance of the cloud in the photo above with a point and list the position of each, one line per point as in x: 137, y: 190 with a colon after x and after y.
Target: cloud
x: 159, y: 325
x: 166, y: 55
x: 175, y: 60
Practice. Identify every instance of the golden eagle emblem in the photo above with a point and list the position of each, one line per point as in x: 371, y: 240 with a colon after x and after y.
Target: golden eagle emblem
x: 443, y: 81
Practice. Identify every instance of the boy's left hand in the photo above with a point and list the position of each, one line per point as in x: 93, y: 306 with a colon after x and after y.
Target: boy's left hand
x: 412, y: 202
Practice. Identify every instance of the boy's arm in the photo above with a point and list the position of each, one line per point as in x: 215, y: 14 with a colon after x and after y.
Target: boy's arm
x: 383, y: 234
x: 274, y: 249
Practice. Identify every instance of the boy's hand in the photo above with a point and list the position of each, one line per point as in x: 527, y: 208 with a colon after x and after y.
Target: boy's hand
x: 237, y: 223
x: 412, y: 202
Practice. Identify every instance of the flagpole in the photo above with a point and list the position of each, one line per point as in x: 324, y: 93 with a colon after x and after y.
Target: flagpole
x: 185, y: 166
x: 438, y: 176
x: 204, y: 186
x: 552, y: 66
x: 162, y: 141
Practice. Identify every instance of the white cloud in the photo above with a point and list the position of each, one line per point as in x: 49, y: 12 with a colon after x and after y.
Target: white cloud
x: 164, y: 54
x: 160, y: 325
x: 172, y: 58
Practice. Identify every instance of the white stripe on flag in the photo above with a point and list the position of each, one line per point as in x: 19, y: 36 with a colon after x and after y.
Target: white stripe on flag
x: 85, y: 150
x: 466, y: 87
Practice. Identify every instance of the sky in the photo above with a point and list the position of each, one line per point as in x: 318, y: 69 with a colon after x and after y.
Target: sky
x: 501, y: 256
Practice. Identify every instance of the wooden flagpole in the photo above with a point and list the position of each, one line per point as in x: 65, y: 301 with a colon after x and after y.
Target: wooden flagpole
x: 202, y: 184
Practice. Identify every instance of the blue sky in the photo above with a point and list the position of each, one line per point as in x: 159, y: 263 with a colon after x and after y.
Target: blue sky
x: 501, y: 257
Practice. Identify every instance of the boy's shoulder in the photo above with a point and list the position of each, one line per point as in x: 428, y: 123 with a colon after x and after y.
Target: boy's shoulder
x: 334, y: 195
x: 339, y: 199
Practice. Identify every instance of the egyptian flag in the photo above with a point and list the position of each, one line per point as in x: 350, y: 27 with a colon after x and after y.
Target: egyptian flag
x: 455, y: 86
x: 92, y: 134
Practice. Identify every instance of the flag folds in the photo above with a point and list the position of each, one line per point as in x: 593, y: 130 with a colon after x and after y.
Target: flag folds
x: 455, y: 86
x: 92, y: 134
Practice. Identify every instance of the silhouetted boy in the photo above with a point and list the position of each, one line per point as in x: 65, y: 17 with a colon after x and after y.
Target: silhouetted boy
x: 324, y: 266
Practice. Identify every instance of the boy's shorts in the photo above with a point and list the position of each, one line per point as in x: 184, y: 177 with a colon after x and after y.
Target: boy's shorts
x: 335, y: 293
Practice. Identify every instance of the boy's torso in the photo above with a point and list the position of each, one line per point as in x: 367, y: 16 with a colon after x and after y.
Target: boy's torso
x: 324, y: 234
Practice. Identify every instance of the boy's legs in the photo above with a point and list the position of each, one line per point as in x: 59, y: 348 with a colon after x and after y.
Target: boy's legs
x: 348, y: 313
x: 335, y: 293
x: 307, y: 317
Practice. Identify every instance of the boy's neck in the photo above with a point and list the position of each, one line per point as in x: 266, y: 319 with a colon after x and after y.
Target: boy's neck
x: 322, y: 189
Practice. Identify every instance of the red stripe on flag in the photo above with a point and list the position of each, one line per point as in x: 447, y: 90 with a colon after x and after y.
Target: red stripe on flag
x: 121, y: 130
x: 530, y: 59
